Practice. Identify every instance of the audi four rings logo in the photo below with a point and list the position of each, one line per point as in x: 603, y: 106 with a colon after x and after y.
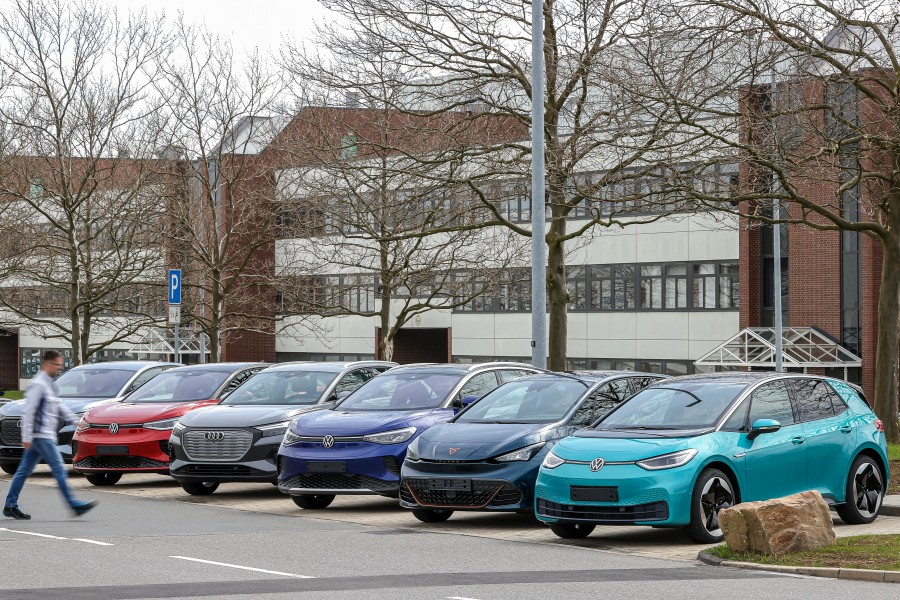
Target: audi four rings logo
x: 19, y: 423
x: 114, y: 428
x: 328, y: 441
x: 215, y: 436
x: 597, y: 464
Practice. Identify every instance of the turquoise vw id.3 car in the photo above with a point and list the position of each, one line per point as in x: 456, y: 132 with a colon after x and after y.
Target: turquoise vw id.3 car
x: 679, y: 451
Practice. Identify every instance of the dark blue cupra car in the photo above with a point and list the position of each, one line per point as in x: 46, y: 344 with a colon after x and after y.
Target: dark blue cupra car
x: 488, y: 456
x: 357, y: 447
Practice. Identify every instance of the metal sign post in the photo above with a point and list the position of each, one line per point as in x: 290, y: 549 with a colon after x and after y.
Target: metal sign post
x: 175, y: 307
x: 538, y: 243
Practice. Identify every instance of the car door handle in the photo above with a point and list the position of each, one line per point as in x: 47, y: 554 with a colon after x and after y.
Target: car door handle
x: 846, y: 429
x: 798, y: 440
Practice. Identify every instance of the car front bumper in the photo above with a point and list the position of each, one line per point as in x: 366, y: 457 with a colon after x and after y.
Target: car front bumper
x: 255, y: 464
x: 358, y: 468
x: 135, y: 450
x: 641, y: 497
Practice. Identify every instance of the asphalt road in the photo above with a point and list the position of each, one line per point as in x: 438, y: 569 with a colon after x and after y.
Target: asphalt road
x: 131, y: 547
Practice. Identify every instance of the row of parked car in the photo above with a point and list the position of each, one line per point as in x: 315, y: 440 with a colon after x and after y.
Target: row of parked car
x: 576, y: 449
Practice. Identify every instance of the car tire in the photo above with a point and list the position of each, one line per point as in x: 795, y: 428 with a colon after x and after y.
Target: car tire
x: 432, y: 515
x: 572, y: 531
x: 10, y: 468
x: 713, y: 491
x: 103, y: 479
x: 865, y: 492
x: 313, y: 501
x: 200, y: 488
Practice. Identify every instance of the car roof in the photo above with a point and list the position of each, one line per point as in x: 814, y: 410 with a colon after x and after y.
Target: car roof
x: 459, y: 368
x: 744, y: 377
x: 126, y: 365
x: 226, y: 367
x: 335, y: 366
x: 608, y: 374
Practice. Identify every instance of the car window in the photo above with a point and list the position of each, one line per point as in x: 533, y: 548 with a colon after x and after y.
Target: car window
x: 815, y: 399
x: 771, y: 401
x: 479, y: 385
x: 401, y: 391
x: 738, y: 419
x: 353, y: 380
x: 601, y: 402
x: 240, y: 378
x: 180, y: 386
x: 639, y: 383
x: 676, y: 405
x: 144, y: 378
x: 837, y: 402
x: 507, y: 375
x: 282, y: 387
x: 88, y: 382
x: 541, y: 400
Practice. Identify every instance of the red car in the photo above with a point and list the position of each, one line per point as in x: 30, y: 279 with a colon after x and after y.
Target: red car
x: 132, y: 436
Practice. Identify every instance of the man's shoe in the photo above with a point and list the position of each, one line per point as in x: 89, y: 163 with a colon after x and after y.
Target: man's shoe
x: 14, y: 513
x: 83, y: 508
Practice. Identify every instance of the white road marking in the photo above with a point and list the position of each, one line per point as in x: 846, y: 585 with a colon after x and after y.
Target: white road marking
x: 221, y: 564
x: 91, y: 542
x: 460, y: 598
x: 43, y: 535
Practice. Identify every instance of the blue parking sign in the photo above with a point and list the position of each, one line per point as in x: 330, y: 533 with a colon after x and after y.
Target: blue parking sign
x: 174, y: 286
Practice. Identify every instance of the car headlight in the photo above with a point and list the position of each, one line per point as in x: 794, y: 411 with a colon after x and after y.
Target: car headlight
x: 163, y: 425
x: 178, y: 429
x: 290, y: 438
x: 522, y: 454
x: 412, y: 453
x: 83, y: 425
x: 551, y: 461
x: 396, y: 436
x: 274, y: 429
x: 668, y: 461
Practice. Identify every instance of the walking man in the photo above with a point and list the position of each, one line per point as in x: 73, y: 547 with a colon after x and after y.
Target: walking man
x: 43, y: 409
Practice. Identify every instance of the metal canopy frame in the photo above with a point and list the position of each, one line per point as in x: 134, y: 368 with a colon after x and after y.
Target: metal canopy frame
x: 802, y: 347
x: 157, y: 341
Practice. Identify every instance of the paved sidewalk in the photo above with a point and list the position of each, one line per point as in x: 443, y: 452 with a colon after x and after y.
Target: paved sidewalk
x: 891, y: 506
x: 385, y: 514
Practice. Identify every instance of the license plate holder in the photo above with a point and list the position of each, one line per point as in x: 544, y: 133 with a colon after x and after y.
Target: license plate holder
x: 593, y: 493
x: 449, y: 485
x: 112, y: 449
x: 327, y: 467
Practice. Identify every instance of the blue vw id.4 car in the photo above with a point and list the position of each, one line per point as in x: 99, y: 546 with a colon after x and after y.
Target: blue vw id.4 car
x: 357, y: 447
x: 488, y: 456
x: 677, y: 452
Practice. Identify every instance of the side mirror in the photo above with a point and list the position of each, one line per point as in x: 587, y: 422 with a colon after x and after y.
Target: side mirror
x: 336, y: 397
x: 761, y: 426
x: 469, y: 400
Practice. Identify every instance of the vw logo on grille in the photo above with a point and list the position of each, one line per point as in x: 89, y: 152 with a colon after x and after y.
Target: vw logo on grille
x: 114, y: 428
x: 328, y: 441
x: 19, y: 423
x: 597, y: 464
x: 215, y: 436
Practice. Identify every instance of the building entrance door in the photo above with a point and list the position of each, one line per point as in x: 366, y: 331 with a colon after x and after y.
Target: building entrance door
x: 416, y: 345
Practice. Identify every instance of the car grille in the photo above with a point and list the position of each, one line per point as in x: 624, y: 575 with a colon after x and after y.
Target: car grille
x: 217, y: 470
x: 12, y: 452
x: 338, y: 481
x: 232, y: 446
x: 11, y: 432
x: 654, y: 511
x: 115, y: 463
x: 483, y: 493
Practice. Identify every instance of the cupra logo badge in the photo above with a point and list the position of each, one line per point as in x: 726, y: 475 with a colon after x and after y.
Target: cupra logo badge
x: 328, y: 441
x: 114, y: 428
x: 597, y: 464
x: 453, y: 451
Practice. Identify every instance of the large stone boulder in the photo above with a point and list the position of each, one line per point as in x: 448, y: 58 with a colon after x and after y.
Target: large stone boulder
x: 779, y: 526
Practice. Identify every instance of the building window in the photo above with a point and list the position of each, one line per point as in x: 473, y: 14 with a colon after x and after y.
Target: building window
x: 576, y: 280
x: 651, y: 286
x: 35, y: 188
x: 676, y: 286
x: 349, y: 146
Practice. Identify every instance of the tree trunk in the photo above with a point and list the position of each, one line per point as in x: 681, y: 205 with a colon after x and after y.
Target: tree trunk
x: 558, y: 296
x: 386, y: 343
x: 886, y: 355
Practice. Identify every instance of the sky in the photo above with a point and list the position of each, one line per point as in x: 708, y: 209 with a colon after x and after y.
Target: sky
x: 260, y: 24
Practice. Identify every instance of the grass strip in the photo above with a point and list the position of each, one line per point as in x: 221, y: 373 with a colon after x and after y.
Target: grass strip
x: 878, y: 552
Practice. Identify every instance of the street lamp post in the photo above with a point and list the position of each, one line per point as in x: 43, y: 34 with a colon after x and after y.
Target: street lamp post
x: 538, y: 219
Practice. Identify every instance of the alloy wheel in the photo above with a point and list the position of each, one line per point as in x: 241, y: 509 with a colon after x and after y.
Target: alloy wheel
x: 716, y: 495
x: 868, y: 489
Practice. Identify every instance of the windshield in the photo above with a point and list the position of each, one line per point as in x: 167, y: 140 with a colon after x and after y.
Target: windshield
x: 690, y: 405
x: 282, y: 387
x: 92, y: 383
x: 529, y: 401
x: 181, y: 386
x: 402, y: 391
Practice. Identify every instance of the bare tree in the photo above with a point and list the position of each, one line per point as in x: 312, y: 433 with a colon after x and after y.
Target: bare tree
x: 807, y: 96
x: 82, y: 217
x: 220, y: 110
x: 472, y: 57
